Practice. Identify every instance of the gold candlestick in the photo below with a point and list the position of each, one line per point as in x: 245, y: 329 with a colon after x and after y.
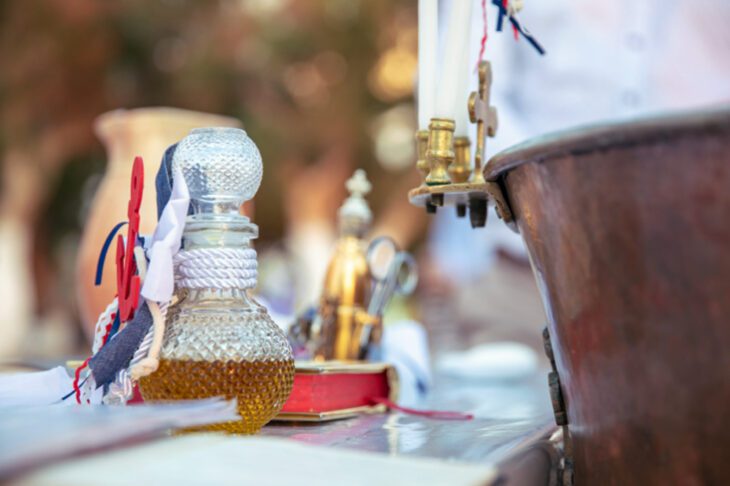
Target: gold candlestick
x: 460, y: 169
x: 440, y: 151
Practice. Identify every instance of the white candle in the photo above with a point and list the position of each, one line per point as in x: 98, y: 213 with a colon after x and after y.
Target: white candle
x: 465, y: 72
x: 449, y: 100
x: 427, y: 52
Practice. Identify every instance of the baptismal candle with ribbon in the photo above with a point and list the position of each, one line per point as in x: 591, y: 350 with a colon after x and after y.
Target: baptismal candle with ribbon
x: 445, y: 121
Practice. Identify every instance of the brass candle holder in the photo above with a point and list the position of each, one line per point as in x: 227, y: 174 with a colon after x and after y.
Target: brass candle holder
x: 460, y: 169
x: 440, y: 151
x: 451, y: 180
x: 422, y: 163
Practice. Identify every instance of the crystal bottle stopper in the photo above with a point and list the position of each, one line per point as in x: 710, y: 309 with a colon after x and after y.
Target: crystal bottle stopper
x: 222, y: 168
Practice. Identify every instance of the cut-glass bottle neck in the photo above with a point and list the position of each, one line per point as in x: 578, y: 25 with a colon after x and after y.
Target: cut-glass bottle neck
x: 218, y: 231
x: 219, y: 206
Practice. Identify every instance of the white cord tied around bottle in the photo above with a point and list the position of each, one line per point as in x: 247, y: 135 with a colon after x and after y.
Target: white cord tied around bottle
x: 216, y: 268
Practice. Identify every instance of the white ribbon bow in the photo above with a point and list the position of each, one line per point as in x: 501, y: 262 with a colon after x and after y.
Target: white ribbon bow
x: 159, y: 283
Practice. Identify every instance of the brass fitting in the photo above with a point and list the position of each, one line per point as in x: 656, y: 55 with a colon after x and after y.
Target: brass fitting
x: 460, y: 170
x: 421, y: 146
x: 440, y: 152
x: 485, y: 116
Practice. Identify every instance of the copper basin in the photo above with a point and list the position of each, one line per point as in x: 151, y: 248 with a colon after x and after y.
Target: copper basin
x: 628, y: 230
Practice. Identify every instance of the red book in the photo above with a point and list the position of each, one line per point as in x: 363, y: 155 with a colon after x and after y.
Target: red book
x: 332, y: 390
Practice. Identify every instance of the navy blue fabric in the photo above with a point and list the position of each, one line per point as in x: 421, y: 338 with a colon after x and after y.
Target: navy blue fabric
x: 118, y: 352
x: 163, y: 180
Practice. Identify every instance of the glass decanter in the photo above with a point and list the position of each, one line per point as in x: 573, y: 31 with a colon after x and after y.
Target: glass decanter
x: 218, y: 340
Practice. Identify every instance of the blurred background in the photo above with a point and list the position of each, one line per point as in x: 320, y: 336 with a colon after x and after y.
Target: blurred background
x: 322, y: 86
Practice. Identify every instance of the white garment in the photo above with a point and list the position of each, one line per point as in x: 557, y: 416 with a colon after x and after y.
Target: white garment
x: 609, y: 59
x: 606, y: 60
x: 405, y: 346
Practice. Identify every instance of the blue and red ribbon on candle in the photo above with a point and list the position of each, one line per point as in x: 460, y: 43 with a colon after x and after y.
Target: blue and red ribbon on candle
x: 517, y: 27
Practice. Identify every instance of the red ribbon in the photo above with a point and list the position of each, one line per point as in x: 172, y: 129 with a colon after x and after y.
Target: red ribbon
x: 484, y: 34
x: 128, y: 282
x: 77, y: 376
x: 108, y: 329
x: 434, y: 414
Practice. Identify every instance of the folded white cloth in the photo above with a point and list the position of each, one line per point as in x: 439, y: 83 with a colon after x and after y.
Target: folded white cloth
x: 493, y: 361
x: 35, y: 388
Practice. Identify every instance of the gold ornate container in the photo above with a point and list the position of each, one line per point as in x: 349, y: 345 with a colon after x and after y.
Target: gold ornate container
x: 347, y: 286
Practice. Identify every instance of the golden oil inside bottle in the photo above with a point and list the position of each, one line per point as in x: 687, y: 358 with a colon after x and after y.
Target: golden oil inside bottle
x: 261, y: 387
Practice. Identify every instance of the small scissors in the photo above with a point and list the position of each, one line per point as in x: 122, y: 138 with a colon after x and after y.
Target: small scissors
x: 394, y: 272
